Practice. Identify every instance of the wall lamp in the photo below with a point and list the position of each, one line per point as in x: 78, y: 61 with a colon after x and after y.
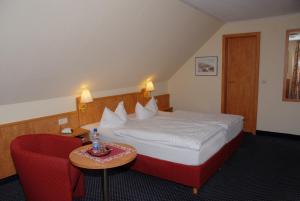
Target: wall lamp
x: 148, y: 89
x: 85, y: 98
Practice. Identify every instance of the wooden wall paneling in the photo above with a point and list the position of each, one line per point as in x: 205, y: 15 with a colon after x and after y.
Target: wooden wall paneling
x: 99, y: 105
x: 7, y: 134
x: 50, y: 124
x: 10, y: 131
x: 141, y: 99
x: 91, y: 113
x: 163, y: 101
x: 95, y: 109
x: 111, y: 102
x: 45, y: 125
x: 130, y: 101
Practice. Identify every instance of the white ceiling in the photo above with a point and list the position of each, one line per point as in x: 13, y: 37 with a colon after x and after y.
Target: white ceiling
x: 50, y: 48
x: 233, y: 10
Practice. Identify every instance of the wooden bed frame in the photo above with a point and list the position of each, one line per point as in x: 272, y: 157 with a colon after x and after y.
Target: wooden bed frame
x: 193, y: 176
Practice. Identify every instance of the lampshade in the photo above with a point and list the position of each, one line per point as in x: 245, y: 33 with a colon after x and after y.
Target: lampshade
x: 149, y: 86
x: 86, y: 96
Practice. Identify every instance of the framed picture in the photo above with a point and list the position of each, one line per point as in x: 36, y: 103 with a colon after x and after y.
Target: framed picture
x: 206, y: 66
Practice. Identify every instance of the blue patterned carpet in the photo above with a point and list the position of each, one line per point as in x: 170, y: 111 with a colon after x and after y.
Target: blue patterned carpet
x: 264, y: 168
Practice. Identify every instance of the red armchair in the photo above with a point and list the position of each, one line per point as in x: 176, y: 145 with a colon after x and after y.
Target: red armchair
x: 45, y: 172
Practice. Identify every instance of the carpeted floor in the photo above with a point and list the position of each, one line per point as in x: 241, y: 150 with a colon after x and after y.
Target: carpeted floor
x: 264, y: 168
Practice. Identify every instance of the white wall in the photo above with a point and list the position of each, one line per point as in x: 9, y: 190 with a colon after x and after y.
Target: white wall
x: 200, y: 93
x: 49, y: 48
x: 27, y: 110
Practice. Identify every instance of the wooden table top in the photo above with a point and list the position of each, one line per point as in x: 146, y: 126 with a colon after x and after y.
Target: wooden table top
x: 85, y: 162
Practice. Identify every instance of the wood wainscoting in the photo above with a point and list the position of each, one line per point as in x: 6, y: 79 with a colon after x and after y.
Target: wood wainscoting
x: 49, y: 124
x: 8, y: 132
x: 94, y: 110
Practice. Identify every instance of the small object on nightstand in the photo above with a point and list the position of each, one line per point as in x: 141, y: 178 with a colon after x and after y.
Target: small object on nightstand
x: 67, y: 131
x: 81, y: 133
x: 76, y: 132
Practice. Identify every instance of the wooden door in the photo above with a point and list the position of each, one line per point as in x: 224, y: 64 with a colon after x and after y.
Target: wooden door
x: 240, y: 77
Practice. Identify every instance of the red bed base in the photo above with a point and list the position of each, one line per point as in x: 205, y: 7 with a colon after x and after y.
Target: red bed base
x: 194, y: 176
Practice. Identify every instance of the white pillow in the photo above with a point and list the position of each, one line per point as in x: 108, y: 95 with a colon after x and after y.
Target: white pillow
x: 110, y: 119
x: 143, y: 113
x: 151, y: 105
x: 121, y: 112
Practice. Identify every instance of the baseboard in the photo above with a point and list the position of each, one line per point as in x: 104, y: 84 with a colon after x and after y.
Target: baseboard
x: 275, y: 134
x: 8, y: 179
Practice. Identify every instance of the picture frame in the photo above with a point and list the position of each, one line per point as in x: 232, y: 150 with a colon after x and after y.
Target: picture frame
x: 206, y: 66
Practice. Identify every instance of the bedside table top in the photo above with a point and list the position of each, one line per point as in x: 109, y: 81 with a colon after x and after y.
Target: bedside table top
x: 167, y: 109
x: 77, y: 132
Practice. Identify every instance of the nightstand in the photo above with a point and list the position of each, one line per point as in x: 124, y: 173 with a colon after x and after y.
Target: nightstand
x: 168, y: 109
x: 81, y: 133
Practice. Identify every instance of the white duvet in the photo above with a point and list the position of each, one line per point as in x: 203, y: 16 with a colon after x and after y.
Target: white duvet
x: 171, y: 130
x: 224, y: 120
x: 180, y: 128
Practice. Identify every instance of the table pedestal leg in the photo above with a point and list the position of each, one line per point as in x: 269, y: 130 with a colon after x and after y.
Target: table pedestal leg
x: 105, y: 185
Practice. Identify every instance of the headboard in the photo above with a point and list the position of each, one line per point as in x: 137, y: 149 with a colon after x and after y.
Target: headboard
x: 95, y: 109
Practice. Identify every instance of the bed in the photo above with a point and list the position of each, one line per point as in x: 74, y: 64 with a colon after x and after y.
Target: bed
x: 164, y: 151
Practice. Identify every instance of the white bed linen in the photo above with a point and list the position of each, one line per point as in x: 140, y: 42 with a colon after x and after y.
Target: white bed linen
x: 168, y: 130
x: 232, y: 124
x: 165, y: 152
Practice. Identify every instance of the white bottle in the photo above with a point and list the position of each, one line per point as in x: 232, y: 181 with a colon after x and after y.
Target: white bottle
x: 96, y: 140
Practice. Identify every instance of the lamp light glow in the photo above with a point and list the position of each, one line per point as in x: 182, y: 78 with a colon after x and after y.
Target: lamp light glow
x: 150, y: 86
x: 147, y: 90
x: 86, y: 96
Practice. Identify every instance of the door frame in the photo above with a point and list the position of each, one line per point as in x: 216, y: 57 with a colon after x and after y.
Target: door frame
x: 225, y: 67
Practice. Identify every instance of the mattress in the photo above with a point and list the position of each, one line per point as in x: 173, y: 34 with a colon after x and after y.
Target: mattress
x: 231, y: 124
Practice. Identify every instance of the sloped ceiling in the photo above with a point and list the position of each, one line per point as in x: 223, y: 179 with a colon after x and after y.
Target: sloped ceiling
x: 50, y: 48
x: 233, y: 10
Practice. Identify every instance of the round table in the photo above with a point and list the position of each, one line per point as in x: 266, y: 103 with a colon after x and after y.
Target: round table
x: 88, y: 163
